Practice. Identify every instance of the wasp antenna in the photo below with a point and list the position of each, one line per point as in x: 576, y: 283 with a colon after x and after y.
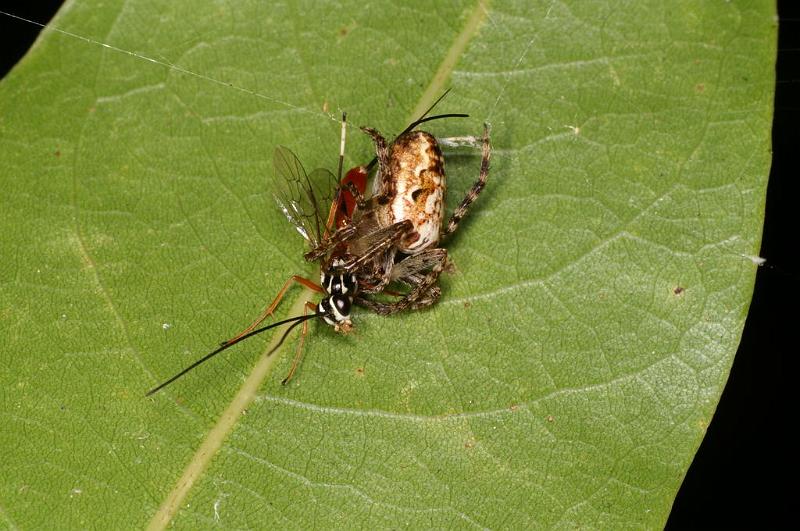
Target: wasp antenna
x: 435, y: 117
x: 415, y: 123
x: 421, y: 120
x: 435, y: 103
x: 425, y: 118
x: 341, y: 147
x: 294, y: 320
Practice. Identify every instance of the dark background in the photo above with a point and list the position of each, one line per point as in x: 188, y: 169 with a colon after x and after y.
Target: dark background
x: 739, y: 476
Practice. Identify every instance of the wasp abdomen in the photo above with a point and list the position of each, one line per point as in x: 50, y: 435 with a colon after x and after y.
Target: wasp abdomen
x: 416, y: 189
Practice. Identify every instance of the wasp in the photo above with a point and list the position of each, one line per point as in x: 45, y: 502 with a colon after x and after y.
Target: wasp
x: 365, y: 244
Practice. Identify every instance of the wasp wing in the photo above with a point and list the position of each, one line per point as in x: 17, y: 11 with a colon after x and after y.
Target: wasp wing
x: 304, y: 199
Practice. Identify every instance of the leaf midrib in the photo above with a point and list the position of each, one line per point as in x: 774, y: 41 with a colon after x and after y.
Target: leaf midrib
x: 247, y: 393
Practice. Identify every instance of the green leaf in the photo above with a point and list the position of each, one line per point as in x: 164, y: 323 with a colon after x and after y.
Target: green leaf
x: 566, y: 377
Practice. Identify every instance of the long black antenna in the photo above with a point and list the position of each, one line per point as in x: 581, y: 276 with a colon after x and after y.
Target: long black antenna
x: 296, y: 320
x: 421, y: 120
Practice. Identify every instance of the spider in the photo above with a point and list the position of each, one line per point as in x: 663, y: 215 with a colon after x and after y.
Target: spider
x: 408, y: 195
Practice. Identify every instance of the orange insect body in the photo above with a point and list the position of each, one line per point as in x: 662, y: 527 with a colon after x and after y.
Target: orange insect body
x: 344, y: 204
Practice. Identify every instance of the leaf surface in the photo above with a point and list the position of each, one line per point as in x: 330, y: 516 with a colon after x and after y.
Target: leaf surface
x: 565, y: 379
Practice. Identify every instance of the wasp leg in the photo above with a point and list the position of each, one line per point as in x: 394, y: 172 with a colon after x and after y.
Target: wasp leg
x: 294, y: 278
x: 476, y: 189
x: 299, y: 354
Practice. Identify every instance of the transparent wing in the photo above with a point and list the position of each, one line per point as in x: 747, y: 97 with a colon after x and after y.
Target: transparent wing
x: 304, y: 199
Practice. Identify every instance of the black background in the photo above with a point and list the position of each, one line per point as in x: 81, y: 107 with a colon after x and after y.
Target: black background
x: 740, y: 476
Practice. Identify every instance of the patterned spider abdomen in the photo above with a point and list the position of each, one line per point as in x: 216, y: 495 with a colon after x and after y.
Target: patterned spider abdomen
x: 414, y: 190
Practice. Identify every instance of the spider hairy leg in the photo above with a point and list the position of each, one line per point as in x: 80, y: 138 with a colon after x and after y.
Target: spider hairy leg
x: 477, y: 188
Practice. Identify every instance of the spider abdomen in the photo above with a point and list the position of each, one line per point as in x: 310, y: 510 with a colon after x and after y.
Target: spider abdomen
x: 415, y: 190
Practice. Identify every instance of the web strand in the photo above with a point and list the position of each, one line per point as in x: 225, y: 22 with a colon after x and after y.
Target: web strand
x: 171, y: 66
x: 233, y: 86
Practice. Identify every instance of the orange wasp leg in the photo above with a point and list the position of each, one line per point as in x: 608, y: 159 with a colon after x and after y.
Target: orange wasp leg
x: 299, y: 354
x: 294, y: 278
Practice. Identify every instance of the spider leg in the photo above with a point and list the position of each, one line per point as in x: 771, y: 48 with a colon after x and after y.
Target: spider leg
x: 409, y: 270
x: 460, y: 141
x: 355, y: 234
x: 338, y: 237
x: 476, y: 189
x: 424, y: 292
x: 383, y: 185
x: 381, y: 241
